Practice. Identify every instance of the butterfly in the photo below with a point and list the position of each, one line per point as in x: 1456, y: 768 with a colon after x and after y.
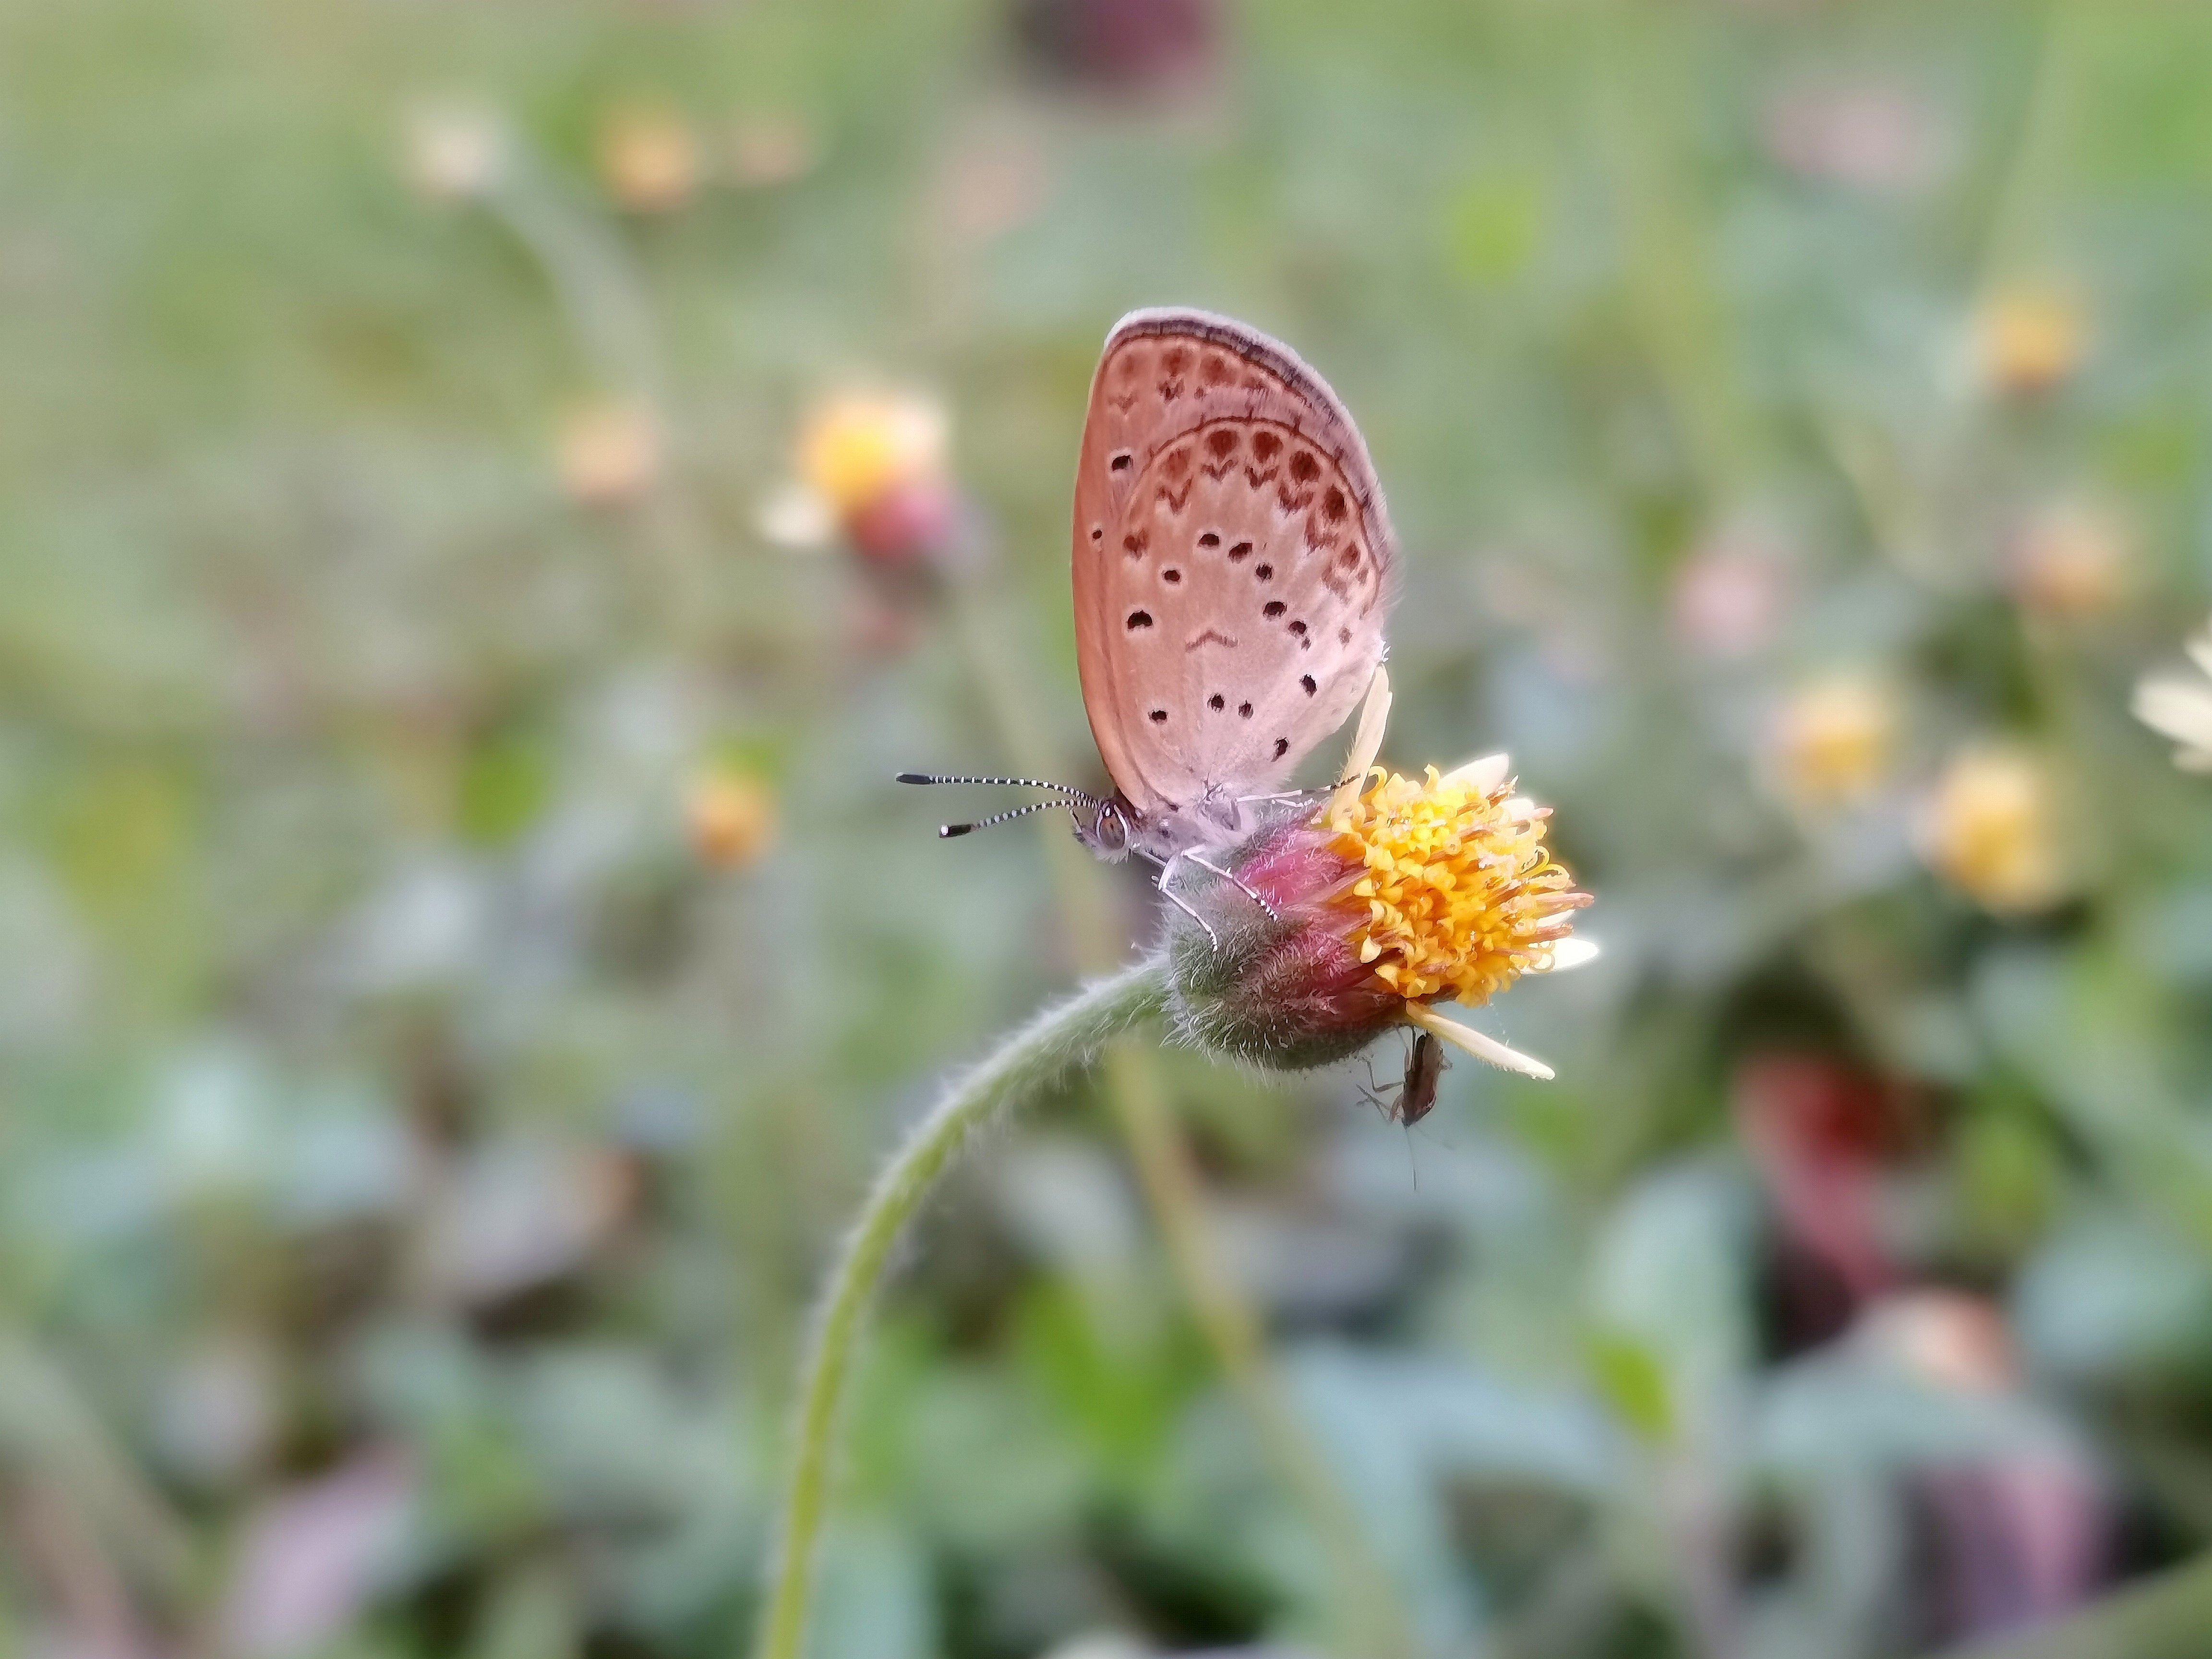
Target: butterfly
x: 1233, y: 566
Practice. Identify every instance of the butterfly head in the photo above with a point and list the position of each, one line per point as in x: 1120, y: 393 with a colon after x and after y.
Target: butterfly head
x: 1111, y: 826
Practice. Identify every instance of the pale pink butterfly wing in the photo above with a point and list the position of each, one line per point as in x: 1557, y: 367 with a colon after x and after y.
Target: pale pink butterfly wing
x: 1233, y: 560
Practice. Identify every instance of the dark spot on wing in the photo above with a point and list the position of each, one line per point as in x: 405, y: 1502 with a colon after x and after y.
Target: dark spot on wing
x: 1273, y: 608
x: 1282, y: 744
x: 1140, y: 619
x: 1217, y: 702
x: 1307, y: 681
x: 1160, y: 717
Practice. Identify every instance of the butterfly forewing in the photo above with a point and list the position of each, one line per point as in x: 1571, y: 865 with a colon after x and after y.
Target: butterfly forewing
x: 1233, y: 561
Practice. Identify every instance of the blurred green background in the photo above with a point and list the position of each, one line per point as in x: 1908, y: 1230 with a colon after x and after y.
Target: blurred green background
x: 462, y: 955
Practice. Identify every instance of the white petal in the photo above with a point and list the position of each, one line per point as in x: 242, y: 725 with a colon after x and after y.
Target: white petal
x: 2200, y: 650
x: 2181, y: 708
x: 1486, y: 1049
x: 1481, y: 776
x: 796, y: 516
x: 1367, y: 742
x: 1570, y: 953
x: 1519, y: 809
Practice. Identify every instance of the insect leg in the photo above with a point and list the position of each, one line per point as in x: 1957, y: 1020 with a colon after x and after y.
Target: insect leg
x: 1167, y: 894
x: 1229, y: 876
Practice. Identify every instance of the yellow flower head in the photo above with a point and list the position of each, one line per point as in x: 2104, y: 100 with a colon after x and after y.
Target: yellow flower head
x: 858, y: 448
x: 1334, y: 925
x: 648, y: 158
x: 1462, y: 895
x: 730, y: 817
x: 2029, y: 340
x: 1993, y: 830
x: 1832, y: 743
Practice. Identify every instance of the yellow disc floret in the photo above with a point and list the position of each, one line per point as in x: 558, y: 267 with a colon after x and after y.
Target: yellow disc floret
x: 1462, y: 897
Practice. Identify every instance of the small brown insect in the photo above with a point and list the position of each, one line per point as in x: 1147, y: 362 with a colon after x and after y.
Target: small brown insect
x: 1416, y: 1097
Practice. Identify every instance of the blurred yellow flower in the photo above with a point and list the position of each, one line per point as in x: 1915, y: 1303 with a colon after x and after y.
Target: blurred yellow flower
x: 2071, y: 561
x: 609, y: 453
x: 1831, y: 743
x: 730, y: 817
x: 2028, y: 340
x: 2180, y: 706
x: 649, y: 159
x: 858, y: 447
x: 455, y: 152
x: 1992, y: 830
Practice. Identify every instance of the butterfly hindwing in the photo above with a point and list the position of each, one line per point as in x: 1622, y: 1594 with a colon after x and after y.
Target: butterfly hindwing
x: 1233, y: 560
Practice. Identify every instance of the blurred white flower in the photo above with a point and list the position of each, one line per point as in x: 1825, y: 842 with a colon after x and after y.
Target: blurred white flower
x: 455, y: 152
x: 796, y: 516
x: 2180, y: 706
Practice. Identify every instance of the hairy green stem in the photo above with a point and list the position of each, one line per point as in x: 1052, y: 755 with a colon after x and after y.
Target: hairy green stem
x: 1054, y: 1043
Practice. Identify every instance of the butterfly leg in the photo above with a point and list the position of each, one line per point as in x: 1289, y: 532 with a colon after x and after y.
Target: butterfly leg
x: 1227, y: 875
x: 1168, y: 895
x: 1167, y: 869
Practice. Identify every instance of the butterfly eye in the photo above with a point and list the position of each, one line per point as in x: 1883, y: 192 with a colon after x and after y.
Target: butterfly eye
x: 1110, y: 829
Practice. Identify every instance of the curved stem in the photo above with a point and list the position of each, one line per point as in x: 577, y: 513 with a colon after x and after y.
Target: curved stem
x: 1055, y: 1041
x: 1372, y: 1622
